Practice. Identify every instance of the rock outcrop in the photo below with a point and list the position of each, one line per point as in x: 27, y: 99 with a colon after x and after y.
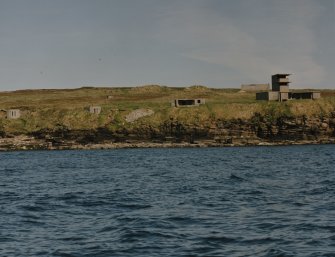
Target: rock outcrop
x: 259, y: 130
x: 137, y: 114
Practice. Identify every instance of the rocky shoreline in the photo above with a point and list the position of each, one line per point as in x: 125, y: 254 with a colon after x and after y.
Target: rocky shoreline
x: 257, y: 131
x: 20, y: 143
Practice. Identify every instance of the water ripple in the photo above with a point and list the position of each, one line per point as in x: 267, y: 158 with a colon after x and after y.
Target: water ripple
x: 249, y: 201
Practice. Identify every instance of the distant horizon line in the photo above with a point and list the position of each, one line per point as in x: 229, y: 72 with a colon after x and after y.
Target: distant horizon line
x: 148, y: 85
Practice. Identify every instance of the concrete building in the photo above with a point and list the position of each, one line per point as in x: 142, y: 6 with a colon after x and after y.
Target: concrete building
x: 187, y: 102
x: 95, y: 109
x: 305, y: 95
x: 281, y: 92
x: 255, y: 87
x: 13, y: 114
x: 268, y: 96
x: 280, y: 82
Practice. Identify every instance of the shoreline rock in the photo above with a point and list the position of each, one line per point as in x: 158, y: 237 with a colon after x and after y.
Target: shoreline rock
x: 19, y: 143
x: 257, y: 131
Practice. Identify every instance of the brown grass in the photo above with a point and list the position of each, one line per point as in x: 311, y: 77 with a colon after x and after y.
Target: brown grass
x: 49, y: 108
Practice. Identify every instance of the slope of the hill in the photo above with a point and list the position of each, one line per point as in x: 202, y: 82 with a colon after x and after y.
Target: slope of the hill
x: 135, y: 116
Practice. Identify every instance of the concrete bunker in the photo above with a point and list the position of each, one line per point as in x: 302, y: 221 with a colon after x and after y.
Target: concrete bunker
x: 305, y: 95
x: 188, y: 102
x: 13, y: 114
x: 255, y: 87
x: 281, y: 92
x: 95, y: 109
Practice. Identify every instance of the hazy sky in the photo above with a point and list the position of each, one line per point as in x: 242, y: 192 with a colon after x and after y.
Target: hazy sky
x: 217, y: 43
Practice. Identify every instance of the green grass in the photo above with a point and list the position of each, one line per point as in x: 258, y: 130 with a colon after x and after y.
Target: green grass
x: 47, y: 109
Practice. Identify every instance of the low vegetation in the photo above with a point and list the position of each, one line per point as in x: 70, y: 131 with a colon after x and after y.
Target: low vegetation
x: 68, y: 108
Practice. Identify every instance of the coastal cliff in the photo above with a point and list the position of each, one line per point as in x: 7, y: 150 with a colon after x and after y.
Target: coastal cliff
x: 144, y: 117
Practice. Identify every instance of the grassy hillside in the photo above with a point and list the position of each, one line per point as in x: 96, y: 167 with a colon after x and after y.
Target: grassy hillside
x: 49, y: 109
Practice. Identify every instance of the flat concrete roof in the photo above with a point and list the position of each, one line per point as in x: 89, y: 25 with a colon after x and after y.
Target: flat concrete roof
x: 282, y: 74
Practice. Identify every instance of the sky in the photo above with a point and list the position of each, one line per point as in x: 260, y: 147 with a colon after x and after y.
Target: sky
x: 215, y: 43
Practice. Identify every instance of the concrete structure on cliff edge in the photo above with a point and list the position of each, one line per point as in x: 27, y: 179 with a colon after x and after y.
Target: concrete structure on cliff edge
x: 95, y: 109
x: 187, y: 102
x: 13, y: 114
x: 281, y: 92
x: 255, y: 87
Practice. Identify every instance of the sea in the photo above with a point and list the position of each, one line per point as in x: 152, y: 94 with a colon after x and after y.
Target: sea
x: 233, y: 201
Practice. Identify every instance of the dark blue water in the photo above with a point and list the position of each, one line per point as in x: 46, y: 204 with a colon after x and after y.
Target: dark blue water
x: 257, y: 201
